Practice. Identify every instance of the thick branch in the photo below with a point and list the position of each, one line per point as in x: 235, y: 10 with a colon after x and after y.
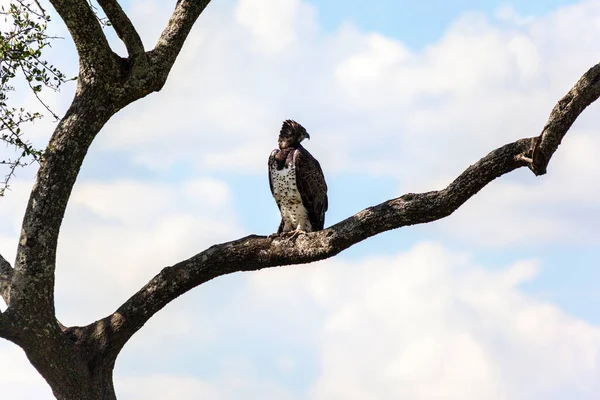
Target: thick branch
x: 95, y: 54
x: 123, y: 26
x: 173, y: 36
x: 32, y: 286
x: 257, y: 252
x: 149, y: 71
x: 6, y: 273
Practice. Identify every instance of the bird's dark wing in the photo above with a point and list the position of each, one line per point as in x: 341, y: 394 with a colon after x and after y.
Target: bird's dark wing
x: 311, y: 186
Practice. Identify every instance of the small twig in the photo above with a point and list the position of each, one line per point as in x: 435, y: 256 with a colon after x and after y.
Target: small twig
x: 56, y: 117
x: 40, y: 7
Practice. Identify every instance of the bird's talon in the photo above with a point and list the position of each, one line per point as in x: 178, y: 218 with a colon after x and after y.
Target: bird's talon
x: 294, y: 234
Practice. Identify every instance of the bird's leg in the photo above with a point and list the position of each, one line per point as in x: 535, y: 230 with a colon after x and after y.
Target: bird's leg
x: 301, y: 229
x: 293, y: 235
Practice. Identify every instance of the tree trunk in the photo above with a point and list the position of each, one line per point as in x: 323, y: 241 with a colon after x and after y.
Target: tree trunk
x: 73, y: 361
x: 76, y: 363
x: 77, y: 382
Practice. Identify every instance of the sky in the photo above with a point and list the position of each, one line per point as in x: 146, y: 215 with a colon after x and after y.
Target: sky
x: 498, y: 301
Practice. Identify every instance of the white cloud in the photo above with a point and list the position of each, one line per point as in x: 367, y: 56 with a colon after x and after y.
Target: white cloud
x: 118, y: 235
x: 430, y: 323
x: 421, y: 116
x: 427, y: 323
x: 230, y: 387
x: 18, y: 379
x: 275, y: 24
x: 560, y: 207
x: 136, y: 202
x: 364, y: 71
x: 165, y: 387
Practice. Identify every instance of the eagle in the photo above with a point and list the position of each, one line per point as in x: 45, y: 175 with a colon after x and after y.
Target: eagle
x: 297, y: 183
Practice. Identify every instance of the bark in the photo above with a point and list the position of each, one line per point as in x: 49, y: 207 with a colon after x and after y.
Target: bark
x: 78, y: 362
x: 96, y: 59
x: 585, y: 92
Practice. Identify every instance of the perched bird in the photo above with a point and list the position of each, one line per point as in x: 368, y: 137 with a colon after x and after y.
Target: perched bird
x: 297, y: 183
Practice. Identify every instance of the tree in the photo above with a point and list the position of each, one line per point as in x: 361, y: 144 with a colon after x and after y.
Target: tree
x: 78, y: 361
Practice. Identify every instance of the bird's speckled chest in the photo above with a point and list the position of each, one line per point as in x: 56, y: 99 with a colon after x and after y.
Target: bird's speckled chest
x: 294, y: 216
x: 285, y: 190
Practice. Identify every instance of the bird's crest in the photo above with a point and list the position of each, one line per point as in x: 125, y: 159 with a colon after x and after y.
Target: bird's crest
x: 291, y: 134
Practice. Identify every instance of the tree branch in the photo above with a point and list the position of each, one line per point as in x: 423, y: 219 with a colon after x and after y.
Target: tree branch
x: 32, y: 285
x: 584, y: 93
x: 173, y: 36
x: 95, y: 55
x: 148, y: 74
x: 123, y: 26
x: 256, y: 252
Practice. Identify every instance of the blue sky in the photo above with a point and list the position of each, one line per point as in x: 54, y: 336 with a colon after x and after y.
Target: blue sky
x: 418, y: 23
x: 497, y: 301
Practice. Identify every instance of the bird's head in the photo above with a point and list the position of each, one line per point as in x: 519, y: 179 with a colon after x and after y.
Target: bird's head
x: 291, y: 134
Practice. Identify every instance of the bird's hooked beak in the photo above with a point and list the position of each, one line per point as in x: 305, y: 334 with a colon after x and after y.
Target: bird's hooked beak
x: 307, y: 136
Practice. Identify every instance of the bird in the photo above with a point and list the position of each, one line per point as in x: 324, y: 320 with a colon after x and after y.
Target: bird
x: 297, y: 183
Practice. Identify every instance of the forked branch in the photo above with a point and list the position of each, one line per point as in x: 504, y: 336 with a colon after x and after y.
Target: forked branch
x: 95, y: 54
x: 123, y: 26
x: 173, y: 36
